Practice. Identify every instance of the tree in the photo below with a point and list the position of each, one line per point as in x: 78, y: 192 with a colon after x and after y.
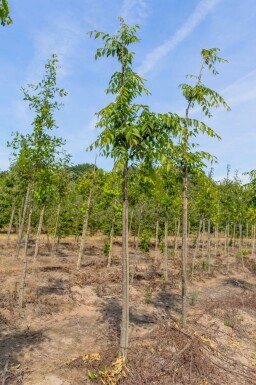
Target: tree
x: 4, y: 13
x: 205, y: 98
x: 129, y: 135
x: 39, y: 154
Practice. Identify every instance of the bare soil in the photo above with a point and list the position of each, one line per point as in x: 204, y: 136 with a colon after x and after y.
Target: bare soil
x: 69, y: 315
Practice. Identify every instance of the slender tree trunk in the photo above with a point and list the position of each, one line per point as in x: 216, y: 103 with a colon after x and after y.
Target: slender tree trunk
x: 111, y: 237
x: 234, y: 237
x: 22, y: 222
x: 196, y: 249
x: 39, y: 230
x: 157, y: 240
x: 86, y: 219
x: 216, y: 246
x: 247, y: 235
x: 176, y: 240
x: 227, y: 247
x: 56, y: 228
x: 203, y: 238
x: 125, y: 269
x: 209, y: 245
x: 85, y: 226
x: 11, y: 221
x: 136, y: 245
x: 240, y: 243
x: 184, y: 244
x: 253, y: 239
x: 131, y: 218
x: 166, y: 248
x: 24, y: 270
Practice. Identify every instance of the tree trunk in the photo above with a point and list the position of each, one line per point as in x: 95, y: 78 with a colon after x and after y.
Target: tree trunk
x: 234, y: 237
x: 203, y: 238
x: 22, y: 223
x: 196, y: 249
x: 111, y: 237
x: 157, y: 240
x: 253, y: 239
x: 10, y: 224
x: 125, y: 269
x: 166, y: 248
x: 227, y: 247
x: 176, y: 240
x: 136, y: 245
x: 209, y: 245
x: 184, y: 243
x: 216, y: 246
x: 24, y: 270
x: 240, y: 243
x: 56, y: 228
x: 86, y: 219
x: 247, y: 234
x: 131, y: 218
x: 39, y: 230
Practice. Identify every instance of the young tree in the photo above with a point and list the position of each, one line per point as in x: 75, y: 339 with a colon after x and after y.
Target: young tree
x: 205, y: 98
x: 129, y: 135
x: 39, y: 154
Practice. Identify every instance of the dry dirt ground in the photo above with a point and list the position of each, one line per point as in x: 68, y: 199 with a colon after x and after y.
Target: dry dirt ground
x: 69, y: 315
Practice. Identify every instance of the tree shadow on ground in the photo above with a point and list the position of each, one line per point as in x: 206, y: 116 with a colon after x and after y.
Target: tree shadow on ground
x: 13, y: 344
x: 169, y: 302
x: 112, y: 313
x: 56, y: 286
x: 239, y: 283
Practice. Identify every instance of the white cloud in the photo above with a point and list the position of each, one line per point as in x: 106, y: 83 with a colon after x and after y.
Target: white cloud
x: 135, y: 10
x: 242, y: 90
x: 198, y: 15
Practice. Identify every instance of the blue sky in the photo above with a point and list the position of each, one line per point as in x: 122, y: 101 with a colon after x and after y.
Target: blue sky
x: 173, y: 32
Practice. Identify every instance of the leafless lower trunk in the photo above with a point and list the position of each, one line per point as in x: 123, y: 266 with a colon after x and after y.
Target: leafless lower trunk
x: 209, y: 245
x: 22, y: 222
x: 111, y: 238
x: 196, y: 249
x: 184, y: 244
x: 136, y: 248
x: 39, y: 230
x: 11, y: 221
x: 56, y: 228
x: 157, y: 240
x: 166, y: 248
x: 24, y: 270
x: 125, y: 269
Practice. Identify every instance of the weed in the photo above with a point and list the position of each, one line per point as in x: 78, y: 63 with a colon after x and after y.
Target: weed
x: 229, y: 322
x: 148, y: 295
x: 193, y: 298
x: 205, y: 265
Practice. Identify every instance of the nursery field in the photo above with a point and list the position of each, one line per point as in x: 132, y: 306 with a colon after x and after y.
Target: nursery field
x: 67, y: 332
